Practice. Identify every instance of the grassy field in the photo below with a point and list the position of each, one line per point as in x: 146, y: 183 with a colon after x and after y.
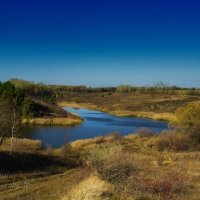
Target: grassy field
x: 156, y: 106
x: 93, y: 169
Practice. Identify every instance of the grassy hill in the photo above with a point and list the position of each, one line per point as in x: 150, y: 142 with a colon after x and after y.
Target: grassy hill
x: 51, y: 114
x: 156, y: 106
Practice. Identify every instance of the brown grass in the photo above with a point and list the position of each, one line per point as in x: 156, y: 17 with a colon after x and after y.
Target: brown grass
x: 91, y: 188
x: 53, y: 121
x: 165, y: 186
x: 80, y: 144
x: 20, y: 145
x: 76, y: 105
x: 151, y: 115
x: 154, y: 106
x: 131, y: 161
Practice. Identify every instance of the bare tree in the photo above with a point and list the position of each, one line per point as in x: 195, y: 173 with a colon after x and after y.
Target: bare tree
x: 9, y: 121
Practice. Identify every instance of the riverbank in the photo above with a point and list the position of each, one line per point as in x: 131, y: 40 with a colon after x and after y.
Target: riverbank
x: 151, y: 115
x: 165, y: 116
x: 130, y: 104
x: 58, y: 121
x: 52, y: 115
x: 76, y: 105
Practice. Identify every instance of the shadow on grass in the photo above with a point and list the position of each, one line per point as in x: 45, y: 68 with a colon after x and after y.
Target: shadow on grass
x: 27, y: 162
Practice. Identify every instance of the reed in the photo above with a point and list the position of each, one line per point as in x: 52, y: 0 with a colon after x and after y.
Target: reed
x: 53, y: 121
x: 21, y: 144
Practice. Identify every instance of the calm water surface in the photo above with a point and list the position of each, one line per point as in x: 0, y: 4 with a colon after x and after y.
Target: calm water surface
x: 95, y: 123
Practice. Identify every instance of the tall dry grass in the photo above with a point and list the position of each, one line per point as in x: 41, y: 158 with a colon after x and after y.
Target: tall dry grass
x: 79, y: 144
x: 53, y: 121
x: 141, y: 114
x: 21, y: 145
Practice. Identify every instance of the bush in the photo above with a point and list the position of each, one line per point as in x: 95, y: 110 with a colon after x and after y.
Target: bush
x: 172, y: 141
x: 113, y: 166
x: 145, y: 132
x: 113, y: 136
x: 165, y: 186
x: 66, y: 150
x: 77, y: 99
x: 188, y: 121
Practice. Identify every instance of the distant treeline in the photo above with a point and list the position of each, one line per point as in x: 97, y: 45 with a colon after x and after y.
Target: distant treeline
x: 51, y: 92
x: 158, y: 90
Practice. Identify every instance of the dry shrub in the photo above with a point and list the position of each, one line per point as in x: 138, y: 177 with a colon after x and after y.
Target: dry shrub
x: 114, y: 166
x: 145, y: 132
x: 49, y: 150
x: 165, y: 186
x: 117, y: 168
x: 77, y: 99
x: 113, y: 136
x: 172, y: 141
x: 66, y: 150
x: 188, y: 120
x: 160, y: 159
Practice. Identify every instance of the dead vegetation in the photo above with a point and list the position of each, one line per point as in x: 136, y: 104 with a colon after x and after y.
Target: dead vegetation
x: 155, y: 106
x: 111, y: 167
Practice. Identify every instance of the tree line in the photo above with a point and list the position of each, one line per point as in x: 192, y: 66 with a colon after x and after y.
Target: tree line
x: 50, y: 92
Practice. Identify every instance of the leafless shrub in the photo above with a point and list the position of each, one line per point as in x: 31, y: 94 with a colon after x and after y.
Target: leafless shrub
x: 49, y: 150
x: 172, y: 141
x: 113, y: 136
x: 160, y: 160
x: 66, y: 150
x: 115, y: 167
x: 172, y: 182
x: 145, y: 132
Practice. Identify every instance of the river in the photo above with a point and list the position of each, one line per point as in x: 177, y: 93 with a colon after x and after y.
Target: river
x: 95, y: 123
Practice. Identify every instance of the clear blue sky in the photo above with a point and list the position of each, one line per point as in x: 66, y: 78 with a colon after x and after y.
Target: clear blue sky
x: 101, y: 42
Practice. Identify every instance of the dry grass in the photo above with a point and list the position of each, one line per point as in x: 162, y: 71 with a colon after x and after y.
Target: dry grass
x: 80, y: 144
x: 92, y: 188
x: 21, y: 145
x: 76, y: 105
x: 154, y: 175
x: 53, y: 121
x: 134, y: 174
x: 154, y: 106
x: 37, y: 186
x: 151, y: 115
x: 122, y: 113
x: 173, y: 141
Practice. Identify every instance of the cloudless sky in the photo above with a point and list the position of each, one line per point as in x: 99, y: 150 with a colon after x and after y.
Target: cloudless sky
x: 101, y: 42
